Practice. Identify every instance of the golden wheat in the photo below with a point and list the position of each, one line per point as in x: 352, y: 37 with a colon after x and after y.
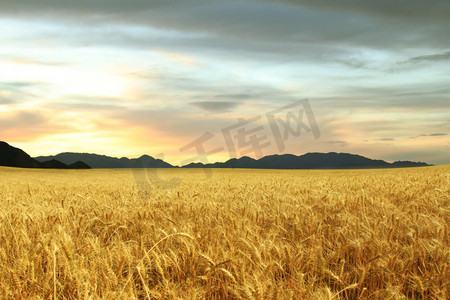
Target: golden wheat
x: 241, y: 234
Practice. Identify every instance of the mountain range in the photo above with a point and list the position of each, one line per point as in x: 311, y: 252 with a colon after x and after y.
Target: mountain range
x: 15, y: 157
x: 330, y: 160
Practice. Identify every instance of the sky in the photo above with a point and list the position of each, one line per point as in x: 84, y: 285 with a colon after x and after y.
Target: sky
x: 174, y: 78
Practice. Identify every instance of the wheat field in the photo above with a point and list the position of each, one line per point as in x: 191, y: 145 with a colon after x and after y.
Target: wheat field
x: 237, y: 234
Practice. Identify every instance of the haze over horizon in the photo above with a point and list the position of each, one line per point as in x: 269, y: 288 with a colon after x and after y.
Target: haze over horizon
x: 127, y: 78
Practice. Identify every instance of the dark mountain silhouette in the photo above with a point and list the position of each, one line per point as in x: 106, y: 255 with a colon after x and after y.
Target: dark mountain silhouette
x: 408, y: 164
x: 53, y: 164
x: 15, y: 157
x: 106, y: 162
x: 56, y: 164
x: 330, y: 160
x: 79, y: 165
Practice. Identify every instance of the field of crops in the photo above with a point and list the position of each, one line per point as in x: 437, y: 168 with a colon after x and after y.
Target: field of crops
x: 238, y: 234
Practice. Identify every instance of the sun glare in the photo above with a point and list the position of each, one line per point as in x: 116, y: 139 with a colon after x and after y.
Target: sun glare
x: 68, y: 80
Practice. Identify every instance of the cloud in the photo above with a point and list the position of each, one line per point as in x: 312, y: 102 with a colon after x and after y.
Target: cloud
x: 337, y: 143
x: 102, y: 104
x: 297, y: 29
x: 22, y: 119
x: 438, y: 134
x: 5, y: 97
x: 23, y: 125
x: 29, y: 61
x: 386, y: 139
x: 429, y: 135
x: 171, y: 122
x: 433, y: 134
x: 14, y: 85
x: 246, y: 92
x: 216, y: 106
x: 393, y: 94
x: 431, y: 57
x: 409, y: 9
x: 415, y: 9
x: 234, y: 96
x: 79, y: 106
x: 5, y: 100
x: 16, y: 93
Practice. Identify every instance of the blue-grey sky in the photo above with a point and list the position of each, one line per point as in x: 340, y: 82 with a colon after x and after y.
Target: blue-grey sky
x: 125, y: 78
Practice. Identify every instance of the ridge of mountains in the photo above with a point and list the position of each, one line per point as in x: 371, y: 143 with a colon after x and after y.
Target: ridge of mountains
x: 311, y: 160
x: 15, y: 157
x: 330, y: 160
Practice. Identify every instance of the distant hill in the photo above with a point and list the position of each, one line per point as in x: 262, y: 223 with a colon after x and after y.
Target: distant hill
x: 56, y: 164
x: 14, y: 157
x: 79, y: 165
x: 107, y: 162
x: 53, y: 164
x: 330, y: 160
x: 408, y: 164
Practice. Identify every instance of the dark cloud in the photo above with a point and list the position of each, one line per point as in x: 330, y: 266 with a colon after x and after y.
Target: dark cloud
x: 402, y: 8
x: 294, y: 27
x: 438, y: 134
x: 434, y: 134
x: 386, y: 139
x: 415, y: 9
x: 430, y: 135
x: 431, y: 58
x: 216, y: 106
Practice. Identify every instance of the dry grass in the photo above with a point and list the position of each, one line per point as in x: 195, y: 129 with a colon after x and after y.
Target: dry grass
x: 380, y: 234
